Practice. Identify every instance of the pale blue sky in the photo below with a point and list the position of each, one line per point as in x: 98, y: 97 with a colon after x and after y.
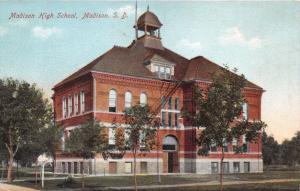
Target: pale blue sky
x: 261, y: 39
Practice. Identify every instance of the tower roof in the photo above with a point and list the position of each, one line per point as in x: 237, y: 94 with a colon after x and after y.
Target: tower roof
x: 150, y: 19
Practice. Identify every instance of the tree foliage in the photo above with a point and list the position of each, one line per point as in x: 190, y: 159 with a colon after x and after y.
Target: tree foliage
x: 120, y: 141
x: 23, y: 112
x: 217, y: 109
x: 290, y: 150
x: 270, y: 150
x: 141, y: 128
x: 87, y: 140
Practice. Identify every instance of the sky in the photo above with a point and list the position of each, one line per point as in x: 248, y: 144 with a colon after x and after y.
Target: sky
x: 261, y: 39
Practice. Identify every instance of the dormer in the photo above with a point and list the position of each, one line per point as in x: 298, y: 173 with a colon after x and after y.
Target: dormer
x: 161, y: 67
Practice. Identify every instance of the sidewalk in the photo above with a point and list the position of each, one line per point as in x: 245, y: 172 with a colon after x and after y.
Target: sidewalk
x: 9, y: 187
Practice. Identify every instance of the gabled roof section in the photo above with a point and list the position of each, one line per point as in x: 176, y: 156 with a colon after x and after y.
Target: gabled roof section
x: 158, y: 59
x: 84, y: 70
x: 130, y: 61
x: 200, y: 68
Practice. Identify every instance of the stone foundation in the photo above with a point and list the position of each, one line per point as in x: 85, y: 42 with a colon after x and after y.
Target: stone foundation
x: 186, y: 165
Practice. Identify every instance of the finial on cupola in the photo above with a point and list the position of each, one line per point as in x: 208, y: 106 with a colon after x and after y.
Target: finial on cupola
x: 148, y: 7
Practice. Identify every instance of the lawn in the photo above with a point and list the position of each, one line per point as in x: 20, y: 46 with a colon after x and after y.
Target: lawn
x: 99, y: 183
x: 25, y: 173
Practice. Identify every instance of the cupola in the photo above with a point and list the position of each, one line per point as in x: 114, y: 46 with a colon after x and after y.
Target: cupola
x: 149, y: 23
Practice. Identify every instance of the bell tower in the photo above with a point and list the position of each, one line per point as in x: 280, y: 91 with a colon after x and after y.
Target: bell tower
x: 149, y: 23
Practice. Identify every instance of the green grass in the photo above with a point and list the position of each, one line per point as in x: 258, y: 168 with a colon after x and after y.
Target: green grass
x: 26, y: 173
x: 282, y: 186
x: 96, y: 183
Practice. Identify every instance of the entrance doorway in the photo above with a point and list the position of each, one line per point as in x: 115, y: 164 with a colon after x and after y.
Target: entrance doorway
x: 170, y: 155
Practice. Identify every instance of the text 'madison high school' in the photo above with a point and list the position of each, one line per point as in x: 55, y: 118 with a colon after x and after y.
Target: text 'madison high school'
x: 148, y: 73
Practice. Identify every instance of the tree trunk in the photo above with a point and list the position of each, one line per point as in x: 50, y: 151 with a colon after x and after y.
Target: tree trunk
x: 134, y: 169
x: 36, y: 173
x: 222, y: 171
x: 10, y: 164
x: 10, y: 156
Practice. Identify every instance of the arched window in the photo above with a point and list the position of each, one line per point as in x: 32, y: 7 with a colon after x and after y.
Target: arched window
x: 170, y: 143
x: 128, y: 100
x: 143, y: 99
x: 112, y: 101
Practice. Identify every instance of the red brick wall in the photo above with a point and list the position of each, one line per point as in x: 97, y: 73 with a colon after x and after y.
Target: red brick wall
x: 253, y: 97
x: 154, y: 90
x: 70, y: 89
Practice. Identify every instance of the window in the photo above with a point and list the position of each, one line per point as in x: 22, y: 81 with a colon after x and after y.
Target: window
x: 170, y: 143
x: 76, y: 104
x: 246, y: 167
x: 163, y: 72
x: 156, y: 68
x: 69, y: 168
x: 245, y: 111
x: 169, y: 147
x: 81, y: 167
x: 226, y: 167
x: 236, y: 167
x: 112, y: 101
x: 75, y: 168
x: 128, y: 100
x: 127, y: 140
x: 225, y: 145
x: 176, y: 103
x: 112, y: 167
x: 70, y: 105
x: 163, y: 118
x: 214, y: 167
x: 64, y: 105
x: 144, y: 167
x: 143, y: 99
x: 128, y: 167
x: 170, y: 121
x: 234, y: 144
x: 142, y: 139
x: 176, y: 120
x: 245, y: 144
x: 82, y: 101
x: 168, y: 73
x: 163, y: 102
x: 170, y: 103
x: 111, y: 136
x: 213, y: 147
x: 63, y: 167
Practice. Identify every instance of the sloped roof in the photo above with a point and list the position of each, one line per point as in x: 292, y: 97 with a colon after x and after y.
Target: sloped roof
x: 148, y: 18
x: 131, y: 61
x: 200, y: 68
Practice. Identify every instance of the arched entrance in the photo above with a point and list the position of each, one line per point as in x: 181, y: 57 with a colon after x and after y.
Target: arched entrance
x: 170, y: 154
